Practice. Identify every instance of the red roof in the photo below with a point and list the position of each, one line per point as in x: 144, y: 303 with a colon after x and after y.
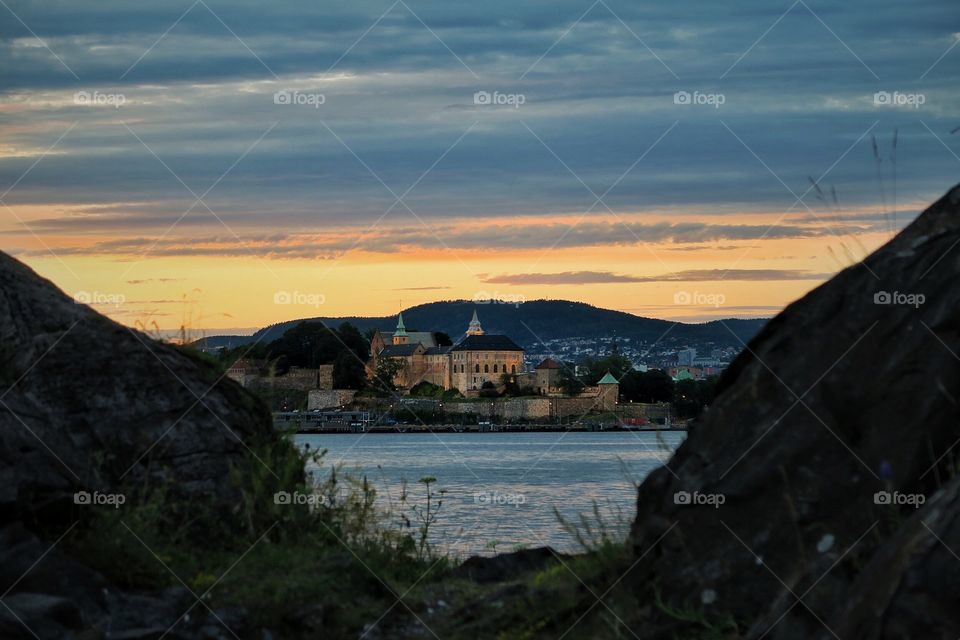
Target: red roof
x: 548, y: 363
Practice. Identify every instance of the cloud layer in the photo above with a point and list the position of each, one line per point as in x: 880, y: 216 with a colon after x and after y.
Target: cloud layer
x: 160, y: 105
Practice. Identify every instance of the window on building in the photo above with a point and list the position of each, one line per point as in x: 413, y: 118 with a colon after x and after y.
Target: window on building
x: 486, y: 368
x: 513, y: 368
x: 494, y: 368
x: 476, y: 369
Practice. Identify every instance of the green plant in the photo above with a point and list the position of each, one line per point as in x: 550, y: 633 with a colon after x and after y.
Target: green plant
x: 427, y: 515
x: 264, y: 550
x: 592, y: 534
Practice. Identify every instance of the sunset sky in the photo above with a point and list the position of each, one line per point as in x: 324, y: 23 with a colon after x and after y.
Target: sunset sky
x: 227, y: 165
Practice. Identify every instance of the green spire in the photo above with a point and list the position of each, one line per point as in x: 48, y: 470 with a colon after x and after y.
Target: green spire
x: 401, y: 330
x: 608, y: 379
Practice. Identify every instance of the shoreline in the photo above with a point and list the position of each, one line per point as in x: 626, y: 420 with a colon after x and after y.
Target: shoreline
x: 449, y: 428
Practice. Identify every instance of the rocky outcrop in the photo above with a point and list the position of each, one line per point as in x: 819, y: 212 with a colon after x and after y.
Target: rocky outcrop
x: 507, y: 566
x: 48, y: 594
x: 792, y: 505
x: 909, y: 589
x: 89, y: 405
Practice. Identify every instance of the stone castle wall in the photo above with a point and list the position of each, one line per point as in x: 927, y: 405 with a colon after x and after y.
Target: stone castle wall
x: 298, y: 378
x: 329, y: 398
x: 325, y: 374
x: 543, y: 408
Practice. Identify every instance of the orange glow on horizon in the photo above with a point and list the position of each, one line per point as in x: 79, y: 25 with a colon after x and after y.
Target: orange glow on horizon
x: 207, y: 294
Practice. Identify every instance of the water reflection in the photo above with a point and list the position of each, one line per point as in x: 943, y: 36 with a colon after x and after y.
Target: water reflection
x: 501, y: 489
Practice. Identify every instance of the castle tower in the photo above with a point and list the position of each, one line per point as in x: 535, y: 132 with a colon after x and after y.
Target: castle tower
x: 609, y: 392
x: 475, y: 329
x: 400, y: 334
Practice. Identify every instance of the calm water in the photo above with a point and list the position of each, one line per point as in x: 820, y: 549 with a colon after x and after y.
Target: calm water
x: 502, y: 488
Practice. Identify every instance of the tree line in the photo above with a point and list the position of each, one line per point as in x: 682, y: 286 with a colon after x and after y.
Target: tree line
x: 688, y: 397
x: 309, y: 345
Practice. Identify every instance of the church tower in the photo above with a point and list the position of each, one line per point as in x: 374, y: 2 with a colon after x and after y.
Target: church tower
x: 475, y: 329
x: 400, y: 334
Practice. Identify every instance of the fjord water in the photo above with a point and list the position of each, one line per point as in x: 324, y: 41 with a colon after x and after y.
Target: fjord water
x: 501, y: 488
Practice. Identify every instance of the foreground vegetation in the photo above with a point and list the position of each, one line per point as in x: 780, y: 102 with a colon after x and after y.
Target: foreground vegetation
x: 334, y: 562
x: 330, y: 553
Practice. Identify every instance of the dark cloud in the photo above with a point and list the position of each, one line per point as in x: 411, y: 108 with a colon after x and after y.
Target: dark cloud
x: 394, y: 239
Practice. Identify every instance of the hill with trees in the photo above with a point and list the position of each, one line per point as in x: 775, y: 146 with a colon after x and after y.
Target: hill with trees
x: 527, y: 323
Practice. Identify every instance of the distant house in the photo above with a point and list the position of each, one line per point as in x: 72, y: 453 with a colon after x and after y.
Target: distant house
x: 244, y: 371
x: 546, y: 377
x: 608, y: 389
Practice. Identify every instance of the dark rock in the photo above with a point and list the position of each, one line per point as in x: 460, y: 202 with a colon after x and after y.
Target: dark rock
x: 910, y: 588
x: 150, y: 616
x: 506, y: 566
x: 30, y: 565
x: 47, y: 594
x: 25, y: 614
x: 839, y: 397
x: 87, y: 404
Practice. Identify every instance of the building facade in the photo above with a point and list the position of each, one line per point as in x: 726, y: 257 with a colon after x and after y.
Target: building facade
x: 476, y: 359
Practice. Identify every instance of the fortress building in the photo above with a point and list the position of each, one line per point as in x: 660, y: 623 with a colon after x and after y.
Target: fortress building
x: 477, y: 358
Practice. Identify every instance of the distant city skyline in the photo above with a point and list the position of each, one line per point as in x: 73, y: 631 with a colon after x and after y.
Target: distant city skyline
x: 231, y: 165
